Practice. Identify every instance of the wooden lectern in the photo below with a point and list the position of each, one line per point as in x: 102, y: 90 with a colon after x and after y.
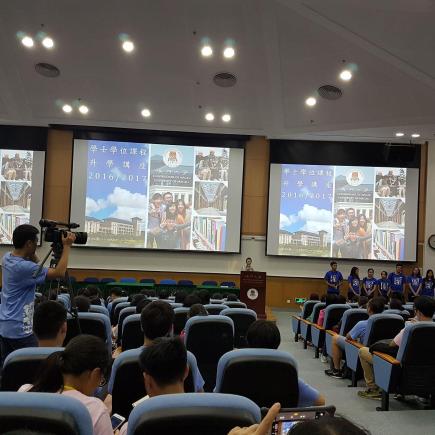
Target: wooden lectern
x: 253, y: 291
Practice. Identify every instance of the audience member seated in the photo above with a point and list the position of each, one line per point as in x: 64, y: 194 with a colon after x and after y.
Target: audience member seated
x: 396, y: 304
x: 93, y: 292
x: 231, y: 297
x: 264, y: 334
x: 374, y: 306
x: 327, y: 426
x: 331, y: 298
x: 150, y: 293
x: 195, y: 310
x: 77, y: 372
x: 217, y: 296
x: 311, y: 316
x: 164, y: 294
x: 424, y: 310
x: 115, y: 293
x: 135, y: 299
x: 362, y: 303
x: 180, y: 295
x: 82, y: 303
x: 142, y: 304
x: 204, y: 295
x: 191, y: 299
x: 49, y: 324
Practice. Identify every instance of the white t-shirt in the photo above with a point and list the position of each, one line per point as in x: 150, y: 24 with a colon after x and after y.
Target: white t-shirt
x: 98, y: 411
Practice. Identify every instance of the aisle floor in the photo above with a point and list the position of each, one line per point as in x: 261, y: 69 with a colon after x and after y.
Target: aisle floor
x: 401, y: 418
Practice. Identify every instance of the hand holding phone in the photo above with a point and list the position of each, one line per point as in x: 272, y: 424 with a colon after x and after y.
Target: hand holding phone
x: 117, y: 421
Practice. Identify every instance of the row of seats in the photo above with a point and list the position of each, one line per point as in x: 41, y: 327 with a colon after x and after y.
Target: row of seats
x: 176, y: 413
x: 411, y: 372
x: 181, y: 282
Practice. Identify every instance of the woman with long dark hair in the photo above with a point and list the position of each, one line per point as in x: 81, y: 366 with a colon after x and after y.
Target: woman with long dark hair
x: 78, y: 371
x: 354, y: 283
x: 427, y: 288
x: 415, y: 283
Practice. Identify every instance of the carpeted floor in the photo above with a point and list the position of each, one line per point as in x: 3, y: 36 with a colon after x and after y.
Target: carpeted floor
x: 403, y: 418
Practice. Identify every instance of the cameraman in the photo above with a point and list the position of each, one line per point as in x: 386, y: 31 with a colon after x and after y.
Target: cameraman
x: 19, y: 285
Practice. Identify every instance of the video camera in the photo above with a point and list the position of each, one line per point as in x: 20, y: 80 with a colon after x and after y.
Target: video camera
x: 54, y: 235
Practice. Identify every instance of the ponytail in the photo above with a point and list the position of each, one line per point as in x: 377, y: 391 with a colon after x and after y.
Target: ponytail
x: 49, y: 377
x: 82, y: 353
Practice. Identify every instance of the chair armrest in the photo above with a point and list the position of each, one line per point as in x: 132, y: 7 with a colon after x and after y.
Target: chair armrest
x: 296, y: 317
x: 388, y: 358
x: 328, y: 331
x: 307, y: 322
x: 320, y: 328
x: 354, y: 343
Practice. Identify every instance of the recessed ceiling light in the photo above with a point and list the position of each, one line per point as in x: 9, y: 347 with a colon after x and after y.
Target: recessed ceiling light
x: 209, y: 116
x: 415, y: 134
x: 400, y: 134
x: 47, y: 42
x: 226, y: 117
x: 206, y: 51
x: 310, y: 101
x: 345, y: 75
x: 146, y: 113
x: 229, y: 52
x: 83, y: 109
x: 128, y: 46
x: 67, y: 108
x: 27, y: 41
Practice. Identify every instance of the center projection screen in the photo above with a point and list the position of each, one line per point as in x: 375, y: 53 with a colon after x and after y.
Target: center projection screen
x: 158, y: 196
x: 353, y: 212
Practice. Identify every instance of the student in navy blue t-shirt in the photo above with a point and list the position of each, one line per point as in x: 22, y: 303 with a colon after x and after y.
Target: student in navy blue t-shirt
x: 369, y: 283
x: 397, y: 282
x: 20, y: 276
x: 383, y: 285
x: 354, y: 284
x: 333, y: 278
x: 414, y: 284
x: 428, y: 284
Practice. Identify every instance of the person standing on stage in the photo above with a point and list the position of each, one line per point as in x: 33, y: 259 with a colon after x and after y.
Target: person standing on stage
x: 333, y: 278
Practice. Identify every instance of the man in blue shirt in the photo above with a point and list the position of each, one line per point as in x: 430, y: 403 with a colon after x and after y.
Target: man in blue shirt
x: 397, y: 282
x: 333, y: 278
x: 20, y: 276
x: 358, y: 332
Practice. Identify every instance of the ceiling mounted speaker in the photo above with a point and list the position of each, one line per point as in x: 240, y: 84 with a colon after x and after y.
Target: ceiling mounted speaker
x: 47, y: 70
x: 329, y: 92
x: 225, y: 79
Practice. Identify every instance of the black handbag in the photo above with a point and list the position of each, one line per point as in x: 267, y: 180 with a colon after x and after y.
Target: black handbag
x: 384, y: 347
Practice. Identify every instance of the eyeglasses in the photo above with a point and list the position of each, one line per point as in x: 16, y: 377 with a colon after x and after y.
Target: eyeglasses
x: 103, y: 381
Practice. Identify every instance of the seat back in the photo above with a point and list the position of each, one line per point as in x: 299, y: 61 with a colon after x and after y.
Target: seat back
x: 65, y: 301
x: 192, y: 414
x: 242, y: 318
x: 147, y: 281
x: 259, y: 375
x: 180, y: 319
x: 91, y: 280
x: 382, y: 326
x: 114, y: 304
x: 316, y: 310
x: 90, y: 323
x: 235, y: 304
x: 99, y: 309
x: 128, y: 280
x: 215, y: 309
x: 20, y: 367
x: 417, y: 355
x: 168, y: 282
x: 403, y: 313
x: 107, y: 280
x: 126, y: 383
x: 117, y: 309
x: 208, y: 338
x: 43, y: 413
x: 308, y: 308
x: 351, y: 318
x: 125, y: 312
x: 210, y: 283
x: 333, y: 314
x: 187, y: 282
x: 132, y: 334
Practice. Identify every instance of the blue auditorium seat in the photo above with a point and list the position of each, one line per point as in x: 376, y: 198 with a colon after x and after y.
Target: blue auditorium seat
x: 306, y: 324
x: 91, y: 280
x: 192, y: 414
x: 228, y: 284
x: 379, y: 327
x: 235, y: 304
x: 147, y: 281
x: 349, y: 320
x: 259, y: 375
x: 127, y: 280
x: 413, y: 370
x: 210, y: 283
x: 215, y: 309
x: 208, y: 338
x: 168, y: 282
x: 43, y: 413
x: 131, y: 334
x: 296, y: 320
x: 107, y: 280
x: 21, y: 366
x: 180, y: 319
x: 333, y: 314
x: 99, y: 309
x: 126, y: 383
x: 242, y: 318
x: 117, y: 310
x: 185, y: 282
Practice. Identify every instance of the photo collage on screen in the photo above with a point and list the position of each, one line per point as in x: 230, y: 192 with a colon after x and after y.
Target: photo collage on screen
x: 156, y: 196
x: 16, y: 191
x: 342, y: 212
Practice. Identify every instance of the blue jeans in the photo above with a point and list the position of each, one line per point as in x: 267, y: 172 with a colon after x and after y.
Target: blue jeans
x: 8, y: 345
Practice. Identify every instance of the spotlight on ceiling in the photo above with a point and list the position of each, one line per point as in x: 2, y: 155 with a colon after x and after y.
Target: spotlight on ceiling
x: 67, y: 108
x: 415, y: 135
x: 146, y: 113
x: 229, y: 52
x: 310, y: 101
x: 48, y: 42
x: 346, y: 75
x: 83, y: 109
x: 128, y: 46
x: 209, y: 116
x: 206, y: 51
x: 27, y: 41
x: 226, y: 117
x: 400, y: 134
